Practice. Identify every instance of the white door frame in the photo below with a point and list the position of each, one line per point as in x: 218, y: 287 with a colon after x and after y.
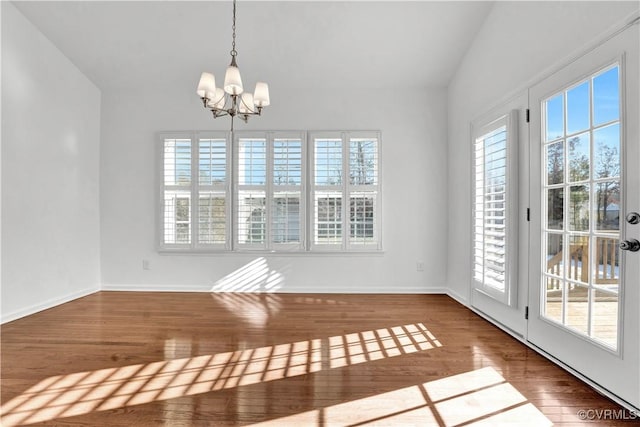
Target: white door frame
x: 618, y: 371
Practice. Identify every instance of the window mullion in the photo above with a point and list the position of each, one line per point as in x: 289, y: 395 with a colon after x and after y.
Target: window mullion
x: 346, y: 195
x: 310, y: 191
x: 229, y: 193
x: 233, y: 190
x: 268, y: 190
x: 194, y: 216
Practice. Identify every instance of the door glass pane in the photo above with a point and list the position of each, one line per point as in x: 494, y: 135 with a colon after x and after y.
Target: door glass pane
x: 606, y: 97
x: 605, y: 316
x: 553, y: 299
x: 579, y: 208
x: 555, y: 211
x: 579, y: 154
x: 555, y: 259
x: 607, y: 201
x: 607, y: 151
x: 578, y: 108
x: 581, y: 259
x: 555, y: 118
x: 577, y: 316
x: 555, y: 163
x: 607, y: 263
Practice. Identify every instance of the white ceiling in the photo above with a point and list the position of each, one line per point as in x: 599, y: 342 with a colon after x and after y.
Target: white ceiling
x: 149, y: 45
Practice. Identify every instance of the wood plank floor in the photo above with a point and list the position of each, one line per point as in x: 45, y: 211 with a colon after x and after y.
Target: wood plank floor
x: 198, y: 359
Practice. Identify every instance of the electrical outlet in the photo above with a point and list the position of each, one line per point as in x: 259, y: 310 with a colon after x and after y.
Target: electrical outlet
x: 419, y: 266
x: 146, y: 265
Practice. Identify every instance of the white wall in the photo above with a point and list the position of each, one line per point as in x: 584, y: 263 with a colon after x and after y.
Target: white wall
x: 50, y: 149
x: 518, y: 43
x: 413, y: 126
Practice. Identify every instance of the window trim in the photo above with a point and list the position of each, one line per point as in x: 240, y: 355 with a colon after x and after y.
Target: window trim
x: 346, y: 188
x: 269, y: 189
x: 480, y: 129
x: 194, y: 188
x: 231, y: 185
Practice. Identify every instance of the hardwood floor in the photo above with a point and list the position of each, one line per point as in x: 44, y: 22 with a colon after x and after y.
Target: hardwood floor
x: 197, y: 359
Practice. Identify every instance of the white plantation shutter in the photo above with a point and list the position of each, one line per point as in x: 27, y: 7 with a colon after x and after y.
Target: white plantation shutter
x: 251, y: 215
x: 176, y: 212
x: 213, y: 198
x: 328, y: 191
x: 269, y: 191
x: 286, y: 203
x: 493, y: 204
x: 285, y: 193
x: 194, y: 191
x: 345, y: 191
x: 363, y: 191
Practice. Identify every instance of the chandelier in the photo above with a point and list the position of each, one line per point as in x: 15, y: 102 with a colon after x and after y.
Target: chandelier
x: 231, y: 100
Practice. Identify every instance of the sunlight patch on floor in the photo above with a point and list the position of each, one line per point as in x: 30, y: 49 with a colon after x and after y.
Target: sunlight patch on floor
x: 477, y: 398
x: 106, y: 389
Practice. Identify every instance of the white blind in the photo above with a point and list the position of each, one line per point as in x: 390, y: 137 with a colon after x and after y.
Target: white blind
x: 490, y: 209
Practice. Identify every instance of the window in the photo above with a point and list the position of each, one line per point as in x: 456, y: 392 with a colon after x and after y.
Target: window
x: 195, y: 191
x: 346, y: 211
x: 274, y: 191
x: 269, y: 191
x: 494, y: 222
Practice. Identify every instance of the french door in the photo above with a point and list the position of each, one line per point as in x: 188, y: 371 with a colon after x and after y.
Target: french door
x: 584, y: 277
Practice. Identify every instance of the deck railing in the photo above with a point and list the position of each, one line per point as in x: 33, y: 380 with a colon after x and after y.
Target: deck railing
x: 607, y: 258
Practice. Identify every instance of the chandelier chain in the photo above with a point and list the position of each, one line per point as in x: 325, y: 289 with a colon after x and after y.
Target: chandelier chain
x: 234, y: 52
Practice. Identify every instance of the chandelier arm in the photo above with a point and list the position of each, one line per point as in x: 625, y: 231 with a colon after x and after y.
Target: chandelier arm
x: 219, y: 113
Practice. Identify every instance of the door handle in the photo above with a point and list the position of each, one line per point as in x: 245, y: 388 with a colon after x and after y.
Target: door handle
x: 631, y: 245
x: 633, y: 218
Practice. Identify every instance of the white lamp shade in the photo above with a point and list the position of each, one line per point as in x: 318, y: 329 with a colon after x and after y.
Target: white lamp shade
x: 261, y: 94
x: 217, y: 99
x: 246, y: 103
x: 232, y: 81
x: 207, y: 84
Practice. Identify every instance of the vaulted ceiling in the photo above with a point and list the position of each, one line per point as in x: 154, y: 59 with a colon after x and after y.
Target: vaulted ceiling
x: 151, y: 45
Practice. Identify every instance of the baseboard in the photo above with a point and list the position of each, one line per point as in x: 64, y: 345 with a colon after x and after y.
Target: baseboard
x: 153, y: 288
x: 597, y: 387
x: 456, y: 296
x: 313, y: 289
x: 18, y: 314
